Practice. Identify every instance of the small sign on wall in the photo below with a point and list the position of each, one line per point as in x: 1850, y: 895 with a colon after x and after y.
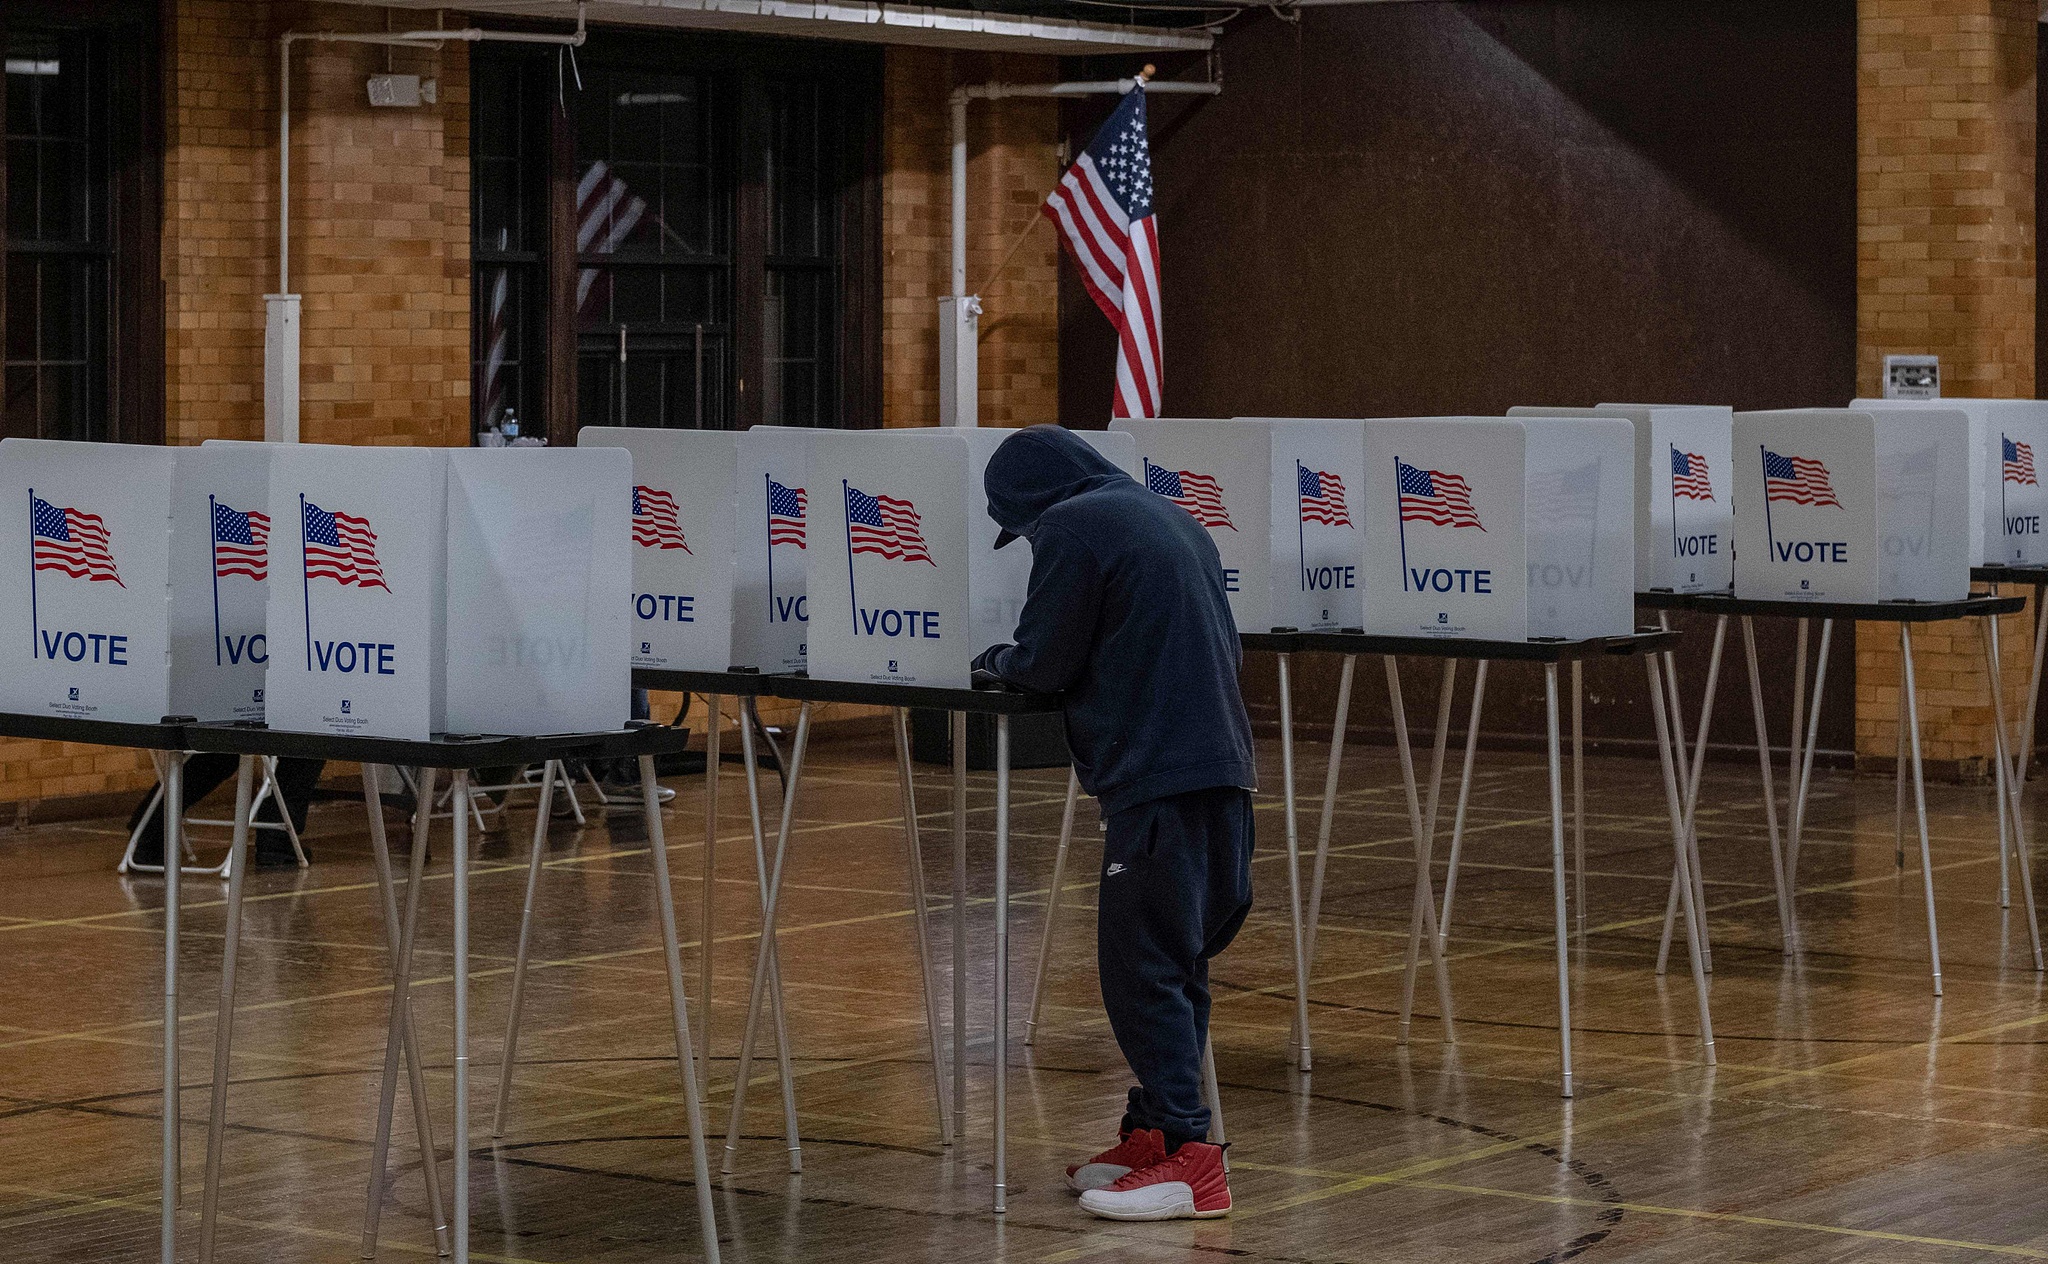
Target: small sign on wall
x: 1912, y: 377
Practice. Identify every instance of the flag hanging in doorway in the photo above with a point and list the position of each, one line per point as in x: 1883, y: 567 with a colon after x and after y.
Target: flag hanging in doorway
x: 1103, y: 210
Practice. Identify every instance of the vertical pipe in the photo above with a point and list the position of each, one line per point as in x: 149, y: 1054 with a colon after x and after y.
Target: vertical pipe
x: 284, y: 164
x: 959, y: 218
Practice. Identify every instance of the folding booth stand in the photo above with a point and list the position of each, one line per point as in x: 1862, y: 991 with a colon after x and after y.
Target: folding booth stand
x: 461, y: 754
x: 166, y: 738
x: 1648, y: 645
x: 1904, y: 613
x: 2022, y: 751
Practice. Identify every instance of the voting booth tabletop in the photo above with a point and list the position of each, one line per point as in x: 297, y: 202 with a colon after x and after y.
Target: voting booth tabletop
x: 1848, y: 611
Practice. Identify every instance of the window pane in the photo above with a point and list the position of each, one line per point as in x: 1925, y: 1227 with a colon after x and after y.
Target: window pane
x: 23, y: 188
x: 795, y: 168
x: 21, y: 403
x: 22, y: 307
x: 798, y: 345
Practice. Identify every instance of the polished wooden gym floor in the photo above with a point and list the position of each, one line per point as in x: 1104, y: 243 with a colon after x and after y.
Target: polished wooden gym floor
x: 1852, y: 1116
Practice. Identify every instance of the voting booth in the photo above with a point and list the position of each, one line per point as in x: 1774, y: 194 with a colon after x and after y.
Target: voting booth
x: 1848, y: 505
x: 357, y: 591
x: 1221, y: 472
x: 220, y: 580
x: 1315, y: 522
x: 771, y: 606
x: 2006, y: 500
x: 888, y: 587
x: 1499, y: 529
x: 683, y: 534
x: 540, y: 587
x: 1685, y: 505
x: 998, y: 580
x: 85, y: 593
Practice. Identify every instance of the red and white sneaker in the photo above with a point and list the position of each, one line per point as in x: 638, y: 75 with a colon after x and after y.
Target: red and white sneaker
x: 1187, y: 1184
x: 1139, y: 1148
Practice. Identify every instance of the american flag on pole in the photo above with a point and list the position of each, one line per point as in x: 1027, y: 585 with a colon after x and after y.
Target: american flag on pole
x: 1434, y: 496
x: 1689, y: 480
x: 241, y: 543
x: 1799, y: 479
x: 785, y: 515
x: 1103, y: 210
x: 341, y: 547
x: 2019, y: 462
x: 885, y: 526
x: 654, y: 520
x: 1199, y: 494
x: 1321, y: 496
x: 71, y: 541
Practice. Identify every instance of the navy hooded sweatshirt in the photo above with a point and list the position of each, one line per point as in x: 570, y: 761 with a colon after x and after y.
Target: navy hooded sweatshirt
x: 1127, y: 616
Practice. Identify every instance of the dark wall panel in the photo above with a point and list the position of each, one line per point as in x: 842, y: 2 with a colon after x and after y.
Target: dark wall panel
x: 1407, y: 209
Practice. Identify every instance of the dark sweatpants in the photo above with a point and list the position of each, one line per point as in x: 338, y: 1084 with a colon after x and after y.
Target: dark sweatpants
x: 1176, y: 885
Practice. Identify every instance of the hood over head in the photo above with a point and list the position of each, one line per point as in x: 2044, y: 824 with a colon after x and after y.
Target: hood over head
x: 1037, y: 468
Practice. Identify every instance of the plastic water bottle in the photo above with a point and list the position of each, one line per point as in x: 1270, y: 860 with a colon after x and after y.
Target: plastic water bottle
x: 511, y: 428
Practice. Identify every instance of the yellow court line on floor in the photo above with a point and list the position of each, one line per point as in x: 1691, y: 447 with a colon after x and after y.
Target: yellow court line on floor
x: 81, y: 1204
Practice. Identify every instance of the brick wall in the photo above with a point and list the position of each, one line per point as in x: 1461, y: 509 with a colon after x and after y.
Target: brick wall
x: 380, y: 232
x: 1012, y: 160
x: 1945, y: 264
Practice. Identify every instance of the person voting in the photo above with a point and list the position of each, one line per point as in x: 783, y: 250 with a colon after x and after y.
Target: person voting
x: 1126, y: 616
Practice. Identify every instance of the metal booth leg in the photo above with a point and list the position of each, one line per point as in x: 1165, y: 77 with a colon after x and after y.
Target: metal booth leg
x: 1001, y: 1053
x: 1301, y: 1040
x: 1464, y: 796
x: 957, y: 721
x: 1422, y: 906
x: 708, y: 939
x: 174, y: 841
x: 1805, y: 757
x: 1687, y: 775
x: 1214, y: 1095
x: 1564, y: 977
x: 779, y: 1014
x: 1052, y: 907
x: 914, y: 849
x: 1330, y: 774
x: 2008, y: 787
x: 224, y: 1019
x: 401, y: 1032
x: 1763, y: 760
x: 1669, y: 738
x: 510, y: 1056
x: 1919, y: 791
x: 1690, y: 778
x: 461, y: 796
x: 1579, y: 796
x: 665, y: 906
x: 765, y: 956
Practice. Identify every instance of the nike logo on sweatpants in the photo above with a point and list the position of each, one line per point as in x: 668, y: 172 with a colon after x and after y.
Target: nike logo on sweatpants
x: 1112, y: 871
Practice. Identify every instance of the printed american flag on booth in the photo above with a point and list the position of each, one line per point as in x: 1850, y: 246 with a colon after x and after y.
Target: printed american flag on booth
x: 1689, y: 479
x: 2019, y: 462
x: 885, y: 526
x: 1199, y: 494
x: 241, y: 543
x: 786, y: 507
x: 654, y: 520
x: 71, y: 541
x: 1571, y: 495
x: 1800, y: 479
x: 1103, y: 210
x: 1321, y: 496
x: 1434, y: 496
x: 341, y: 547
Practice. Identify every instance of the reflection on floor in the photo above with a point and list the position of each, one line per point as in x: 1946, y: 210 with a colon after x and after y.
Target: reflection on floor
x: 1851, y: 1117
